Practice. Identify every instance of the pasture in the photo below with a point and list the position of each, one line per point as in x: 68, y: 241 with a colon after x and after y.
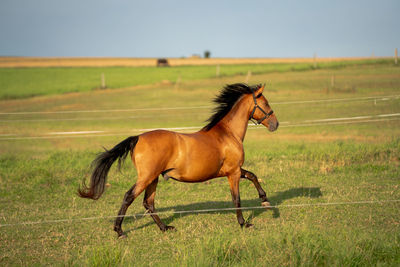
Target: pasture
x: 27, y: 82
x: 331, y: 170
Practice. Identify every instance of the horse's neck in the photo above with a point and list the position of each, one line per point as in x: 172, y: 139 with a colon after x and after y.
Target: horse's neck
x: 236, y: 120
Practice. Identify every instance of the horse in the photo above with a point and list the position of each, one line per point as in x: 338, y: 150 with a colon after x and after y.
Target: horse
x: 214, y: 151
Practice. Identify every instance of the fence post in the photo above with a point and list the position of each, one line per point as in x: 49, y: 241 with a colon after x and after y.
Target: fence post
x: 248, y: 76
x: 178, y: 81
x: 395, y: 56
x: 315, y: 60
x: 103, y: 81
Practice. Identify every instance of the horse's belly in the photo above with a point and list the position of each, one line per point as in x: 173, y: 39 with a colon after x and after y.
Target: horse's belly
x: 198, y: 168
x: 192, y: 177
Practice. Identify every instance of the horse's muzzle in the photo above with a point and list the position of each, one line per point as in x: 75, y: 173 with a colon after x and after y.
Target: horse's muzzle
x: 273, y: 126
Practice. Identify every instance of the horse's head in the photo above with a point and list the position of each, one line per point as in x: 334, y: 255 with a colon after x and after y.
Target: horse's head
x: 261, y: 112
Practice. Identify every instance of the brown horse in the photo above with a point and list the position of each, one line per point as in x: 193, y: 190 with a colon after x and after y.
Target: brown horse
x: 214, y: 151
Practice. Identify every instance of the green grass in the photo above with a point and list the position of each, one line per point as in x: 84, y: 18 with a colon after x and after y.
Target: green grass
x: 292, y: 173
x: 28, y: 82
x: 297, y: 165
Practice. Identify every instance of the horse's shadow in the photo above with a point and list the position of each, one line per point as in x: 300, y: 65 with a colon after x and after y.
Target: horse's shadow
x: 277, y: 199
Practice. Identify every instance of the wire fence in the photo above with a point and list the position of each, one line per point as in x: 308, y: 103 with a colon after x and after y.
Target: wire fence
x: 366, y: 98
x: 308, y: 123
x: 135, y: 216
x: 101, y: 133
x: 329, y: 121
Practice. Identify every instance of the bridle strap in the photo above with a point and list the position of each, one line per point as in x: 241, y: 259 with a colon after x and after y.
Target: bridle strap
x: 256, y: 106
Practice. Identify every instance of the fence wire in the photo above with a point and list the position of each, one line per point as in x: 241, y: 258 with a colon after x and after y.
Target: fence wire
x: 81, y: 219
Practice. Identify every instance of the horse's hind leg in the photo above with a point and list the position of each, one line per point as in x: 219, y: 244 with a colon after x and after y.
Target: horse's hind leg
x: 129, y: 197
x: 148, y: 203
x: 252, y: 177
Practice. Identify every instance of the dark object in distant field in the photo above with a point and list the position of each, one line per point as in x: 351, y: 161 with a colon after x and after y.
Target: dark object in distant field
x: 162, y: 62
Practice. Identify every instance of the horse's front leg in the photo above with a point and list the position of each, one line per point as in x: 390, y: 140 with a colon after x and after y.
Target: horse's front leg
x: 234, y: 185
x: 252, y: 177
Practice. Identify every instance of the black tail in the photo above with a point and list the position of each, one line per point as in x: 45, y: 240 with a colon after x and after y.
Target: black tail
x: 102, y: 165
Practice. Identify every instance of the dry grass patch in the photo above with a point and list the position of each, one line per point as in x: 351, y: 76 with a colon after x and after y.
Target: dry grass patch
x: 13, y: 62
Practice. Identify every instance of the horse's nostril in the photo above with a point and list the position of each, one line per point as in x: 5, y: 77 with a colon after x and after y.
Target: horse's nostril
x: 277, y: 124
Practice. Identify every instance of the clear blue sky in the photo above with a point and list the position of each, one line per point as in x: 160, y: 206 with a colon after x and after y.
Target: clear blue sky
x: 175, y: 28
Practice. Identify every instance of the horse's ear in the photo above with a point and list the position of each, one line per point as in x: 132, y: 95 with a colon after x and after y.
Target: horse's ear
x: 260, y: 89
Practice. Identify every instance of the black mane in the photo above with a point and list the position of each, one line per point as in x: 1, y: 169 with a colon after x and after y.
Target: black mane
x: 226, y: 99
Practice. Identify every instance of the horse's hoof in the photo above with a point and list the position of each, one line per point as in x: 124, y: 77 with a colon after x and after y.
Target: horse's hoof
x: 123, y: 236
x: 170, y: 228
x: 248, y: 225
x: 266, y: 204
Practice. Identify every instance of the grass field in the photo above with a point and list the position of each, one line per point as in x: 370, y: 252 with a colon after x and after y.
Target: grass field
x: 339, y: 142
x: 35, y: 81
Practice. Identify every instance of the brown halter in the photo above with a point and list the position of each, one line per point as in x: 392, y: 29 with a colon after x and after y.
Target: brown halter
x: 256, y: 106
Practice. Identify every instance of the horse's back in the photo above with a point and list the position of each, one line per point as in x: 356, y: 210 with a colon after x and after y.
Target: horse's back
x: 155, y: 146
x: 189, y: 157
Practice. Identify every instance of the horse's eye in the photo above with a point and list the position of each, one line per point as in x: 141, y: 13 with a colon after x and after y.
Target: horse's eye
x: 259, y: 95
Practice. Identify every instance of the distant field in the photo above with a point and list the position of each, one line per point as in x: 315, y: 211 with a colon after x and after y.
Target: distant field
x: 35, y: 81
x: 11, y: 62
x: 338, y: 145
